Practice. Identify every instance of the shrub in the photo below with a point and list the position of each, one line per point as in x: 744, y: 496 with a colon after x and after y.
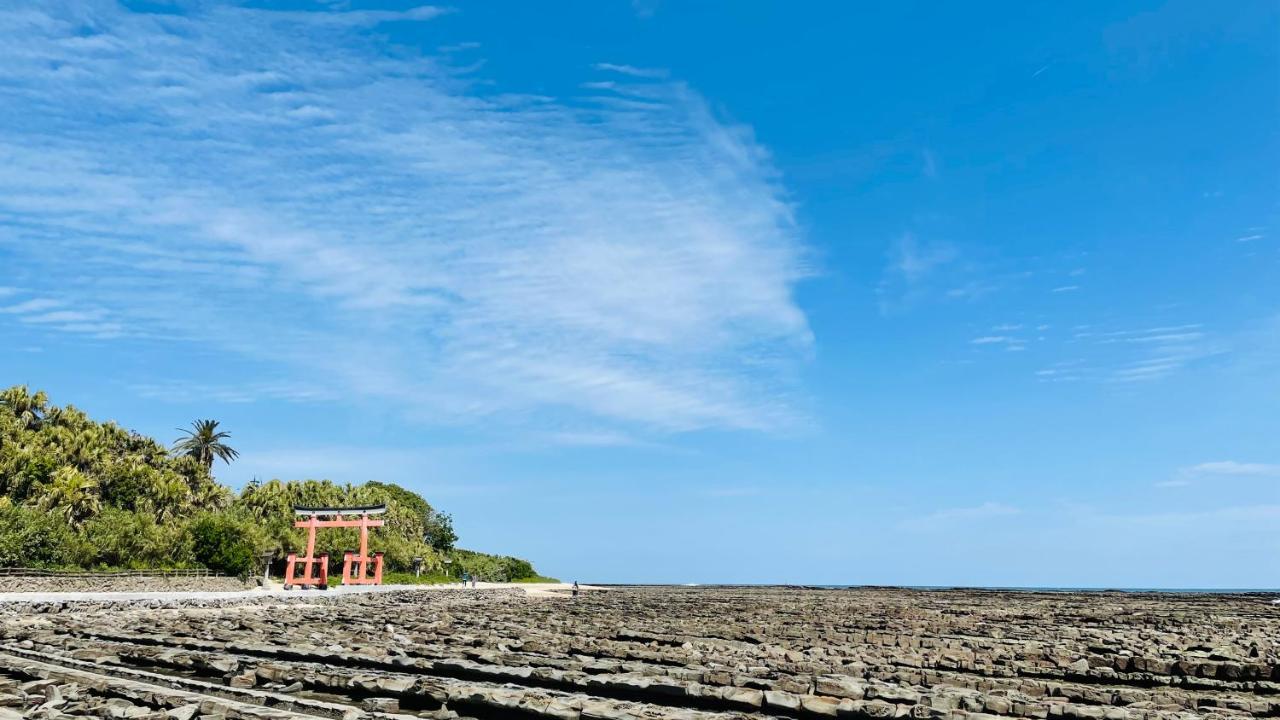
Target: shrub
x: 225, y: 542
x: 124, y: 539
x: 494, y: 568
x: 30, y: 538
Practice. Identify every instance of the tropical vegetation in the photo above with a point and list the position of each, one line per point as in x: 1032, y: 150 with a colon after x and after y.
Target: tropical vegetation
x: 76, y: 493
x: 204, y: 442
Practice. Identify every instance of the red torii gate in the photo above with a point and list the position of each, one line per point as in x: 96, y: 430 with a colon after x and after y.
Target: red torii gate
x: 355, y: 567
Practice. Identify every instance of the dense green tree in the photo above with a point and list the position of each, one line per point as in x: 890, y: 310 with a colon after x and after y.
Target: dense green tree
x: 418, y: 517
x: 493, y: 568
x: 24, y: 468
x: 123, y: 539
x: 31, y: 538
x: 169, y: 497
x: 226, y: 542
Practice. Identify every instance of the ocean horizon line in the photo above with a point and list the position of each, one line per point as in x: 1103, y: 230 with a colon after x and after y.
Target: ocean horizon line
x: 993, y: 588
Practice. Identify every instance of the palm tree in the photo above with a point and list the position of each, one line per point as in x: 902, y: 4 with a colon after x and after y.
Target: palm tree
x: 28, y: 407
x: 204, y: 442
x: 266, y: 500
x: 72, y: 495
x: 210, y: 495
x: 168, y: 498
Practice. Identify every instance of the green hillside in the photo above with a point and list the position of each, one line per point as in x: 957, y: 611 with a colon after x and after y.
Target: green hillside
x: 76, y: 493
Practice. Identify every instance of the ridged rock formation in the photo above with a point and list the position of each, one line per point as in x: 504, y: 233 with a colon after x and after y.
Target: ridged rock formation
x: 697, y: 654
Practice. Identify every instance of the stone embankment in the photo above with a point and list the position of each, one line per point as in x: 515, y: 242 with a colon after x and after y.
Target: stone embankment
x: 88, y: 582
x: 693, y: 654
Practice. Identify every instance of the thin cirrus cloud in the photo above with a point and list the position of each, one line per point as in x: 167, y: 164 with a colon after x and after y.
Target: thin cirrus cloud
x: 990, y: 512
x: 912, y: 270
x: 1009, y: 342
x: 985, y: 510
x: 1134, y: 355
x: 45, y: 312
x: 1218, y: 470
x: 633, y: 70
x: 1161, y: 351
x: 1232, y: 467
x: 381, y: 222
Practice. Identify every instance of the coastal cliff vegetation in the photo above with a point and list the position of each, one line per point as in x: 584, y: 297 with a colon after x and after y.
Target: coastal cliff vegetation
x: 78, y: 493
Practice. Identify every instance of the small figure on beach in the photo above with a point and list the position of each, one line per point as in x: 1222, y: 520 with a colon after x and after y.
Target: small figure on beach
x: 466, y: 577
x: 575, y: 588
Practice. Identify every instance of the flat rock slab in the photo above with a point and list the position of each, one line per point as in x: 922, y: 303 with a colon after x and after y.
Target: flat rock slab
x: 681, y: 653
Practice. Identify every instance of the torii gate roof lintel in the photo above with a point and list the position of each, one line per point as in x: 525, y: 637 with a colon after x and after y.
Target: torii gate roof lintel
x: 336, y: 517
x: 312, y: 511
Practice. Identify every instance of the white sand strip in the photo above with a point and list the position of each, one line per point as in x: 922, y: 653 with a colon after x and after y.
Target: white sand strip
x: 532, y: 589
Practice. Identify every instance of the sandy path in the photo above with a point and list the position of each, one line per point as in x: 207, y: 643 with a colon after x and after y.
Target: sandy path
x: 531, y: 589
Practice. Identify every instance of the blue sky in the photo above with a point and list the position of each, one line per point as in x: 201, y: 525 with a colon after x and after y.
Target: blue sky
x: 691, y: 292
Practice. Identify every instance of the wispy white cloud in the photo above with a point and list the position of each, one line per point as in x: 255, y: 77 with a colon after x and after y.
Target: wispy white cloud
x: 913, y: 259
x: 193, y: 392
x: 1165, y: 350
x: 1219, y: 470
x: 1232, y: 467
x: 971, y: 290
x: 633, y: 71
x: 35, y: 305
x: 1064, y: 371
x: 1066, y: 288
x: 593, y: 438
x: 356, y: 18
x: 985, y: 510
x: 911, y: 265
x: 343, y: 464
x: 645, y: 8
x: 1010, y: 343
x: 62, y: 317
x: 1242, y: 518
x: 1135, y: 355
x: 929, y: 164
x: 730, y: 492
x: 284, y: 187
x: 988, y: 511
x: 57, y: 316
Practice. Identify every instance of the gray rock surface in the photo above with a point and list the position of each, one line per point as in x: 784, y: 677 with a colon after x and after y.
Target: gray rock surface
x: 695, y: 654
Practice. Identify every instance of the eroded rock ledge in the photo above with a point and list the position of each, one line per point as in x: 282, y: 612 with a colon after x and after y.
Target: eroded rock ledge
x: 699, y: 654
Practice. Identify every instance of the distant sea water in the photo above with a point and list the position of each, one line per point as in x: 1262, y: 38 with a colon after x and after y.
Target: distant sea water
x: 1207, y: 591
x: 999, y: 588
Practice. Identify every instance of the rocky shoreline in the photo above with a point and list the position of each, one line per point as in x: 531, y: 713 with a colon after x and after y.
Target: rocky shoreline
x: 692, y: 653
